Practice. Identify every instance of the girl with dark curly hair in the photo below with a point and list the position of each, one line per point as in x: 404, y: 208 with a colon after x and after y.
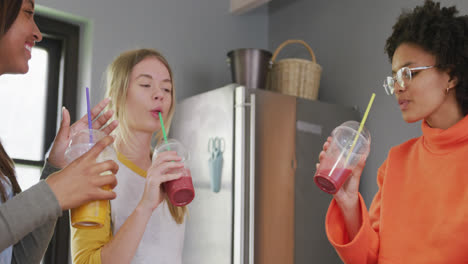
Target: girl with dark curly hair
x: 419, y: 214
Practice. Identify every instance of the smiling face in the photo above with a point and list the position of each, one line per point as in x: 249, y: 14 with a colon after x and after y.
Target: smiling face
x: 149, y: 93
x: 425, y: 96
x: 17, y: 43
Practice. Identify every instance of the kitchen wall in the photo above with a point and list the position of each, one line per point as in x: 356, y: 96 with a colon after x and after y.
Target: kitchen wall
x: 348, y: 39
x: 194, y: 36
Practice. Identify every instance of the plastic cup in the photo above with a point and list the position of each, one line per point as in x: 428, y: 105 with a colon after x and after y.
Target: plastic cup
x: 341, y: 156
x: 180, y: 191
x: 91, y: 214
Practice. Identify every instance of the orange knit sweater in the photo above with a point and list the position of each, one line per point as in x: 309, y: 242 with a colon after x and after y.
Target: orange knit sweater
x: 420, y: 213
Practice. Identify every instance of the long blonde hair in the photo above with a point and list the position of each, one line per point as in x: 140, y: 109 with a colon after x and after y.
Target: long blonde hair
x: 118, y: 75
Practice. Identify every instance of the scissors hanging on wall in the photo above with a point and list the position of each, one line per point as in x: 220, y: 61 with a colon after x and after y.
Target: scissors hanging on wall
x: 216, y: 147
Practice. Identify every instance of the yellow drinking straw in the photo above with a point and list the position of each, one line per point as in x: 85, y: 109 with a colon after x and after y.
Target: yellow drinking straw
x: 361, y: 126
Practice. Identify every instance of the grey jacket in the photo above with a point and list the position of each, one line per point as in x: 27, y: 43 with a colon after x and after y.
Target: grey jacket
x: 27, y: 221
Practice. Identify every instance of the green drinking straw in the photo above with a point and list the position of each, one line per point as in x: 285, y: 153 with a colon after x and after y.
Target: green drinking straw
x: 361, y: 126
x: 163, y: 130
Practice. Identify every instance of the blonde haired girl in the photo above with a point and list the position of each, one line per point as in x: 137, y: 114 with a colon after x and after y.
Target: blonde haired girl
x: 143, y: 226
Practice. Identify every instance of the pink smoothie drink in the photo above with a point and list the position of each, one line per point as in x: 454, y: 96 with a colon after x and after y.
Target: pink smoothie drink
x: 348, y: 146
x: 180, y: 191
x: 331, y: 181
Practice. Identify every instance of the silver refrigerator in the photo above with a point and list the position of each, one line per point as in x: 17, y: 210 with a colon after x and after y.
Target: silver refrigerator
x: 253, y: 156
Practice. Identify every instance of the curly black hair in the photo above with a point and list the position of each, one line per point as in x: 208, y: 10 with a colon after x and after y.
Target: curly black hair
x: 443, y: 34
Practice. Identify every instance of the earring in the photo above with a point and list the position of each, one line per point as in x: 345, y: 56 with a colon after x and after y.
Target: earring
x: 447, y: 90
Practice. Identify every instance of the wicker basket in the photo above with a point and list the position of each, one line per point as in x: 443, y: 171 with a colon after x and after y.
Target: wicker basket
x: 297, y: 77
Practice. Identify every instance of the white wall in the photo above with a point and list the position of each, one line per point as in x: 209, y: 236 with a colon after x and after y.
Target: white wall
x: 194, y: 36
x: 348, y: 38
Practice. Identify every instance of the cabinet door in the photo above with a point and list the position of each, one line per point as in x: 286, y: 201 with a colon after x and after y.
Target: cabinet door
x: 241, y: 6
x: 274, y: 186
x: 315, y: 121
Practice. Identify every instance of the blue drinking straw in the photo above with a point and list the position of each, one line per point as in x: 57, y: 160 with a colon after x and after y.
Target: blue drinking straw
x: 90, y: 124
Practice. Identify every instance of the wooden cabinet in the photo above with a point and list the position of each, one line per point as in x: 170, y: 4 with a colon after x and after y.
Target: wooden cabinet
x: 241, y: 6
x: 274, y: 187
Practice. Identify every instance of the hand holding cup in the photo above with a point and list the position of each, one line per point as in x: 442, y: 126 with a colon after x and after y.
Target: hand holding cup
x: 344, y: 154
x: 165, y: 167
x: 80, y: 182
x: 179, y: 191
x: 93, y: 213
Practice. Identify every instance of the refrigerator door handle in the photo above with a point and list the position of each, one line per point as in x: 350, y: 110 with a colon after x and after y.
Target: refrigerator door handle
x: 252, y: 182
x: 240, y: 237
x: 244, y: 180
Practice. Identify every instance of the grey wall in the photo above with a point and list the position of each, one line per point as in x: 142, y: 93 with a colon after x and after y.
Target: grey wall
x: 348, y: 38
x: 194, y: 36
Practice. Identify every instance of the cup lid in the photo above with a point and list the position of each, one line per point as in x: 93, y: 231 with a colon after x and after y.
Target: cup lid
x: 172, y: 145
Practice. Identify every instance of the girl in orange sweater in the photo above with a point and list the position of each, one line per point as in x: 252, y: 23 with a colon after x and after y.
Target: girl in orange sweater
x: 420, y: 213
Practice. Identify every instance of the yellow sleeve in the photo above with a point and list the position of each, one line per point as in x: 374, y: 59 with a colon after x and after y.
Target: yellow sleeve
x: 86, y: 244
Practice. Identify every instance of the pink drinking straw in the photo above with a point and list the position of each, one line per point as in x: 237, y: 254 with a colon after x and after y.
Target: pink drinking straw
x: 90, y: 126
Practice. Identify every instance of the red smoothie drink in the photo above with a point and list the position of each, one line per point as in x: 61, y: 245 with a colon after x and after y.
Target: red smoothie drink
x: 331, y: 183
x: 180, y: 191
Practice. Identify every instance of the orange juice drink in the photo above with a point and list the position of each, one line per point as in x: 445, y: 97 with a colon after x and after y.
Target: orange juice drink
x: 91, y: 214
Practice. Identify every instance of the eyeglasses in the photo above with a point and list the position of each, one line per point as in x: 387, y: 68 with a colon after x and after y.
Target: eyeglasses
x: 403, y: 77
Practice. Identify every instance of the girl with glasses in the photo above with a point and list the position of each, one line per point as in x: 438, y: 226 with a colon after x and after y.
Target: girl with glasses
x: 419, y: 214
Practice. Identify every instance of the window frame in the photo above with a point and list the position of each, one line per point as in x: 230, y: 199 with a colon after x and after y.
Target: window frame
x: 61, y: 40
x: 59, y: 246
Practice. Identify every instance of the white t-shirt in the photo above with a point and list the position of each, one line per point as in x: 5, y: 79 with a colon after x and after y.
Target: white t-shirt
x: 163, y: 240
x: 5, y: 255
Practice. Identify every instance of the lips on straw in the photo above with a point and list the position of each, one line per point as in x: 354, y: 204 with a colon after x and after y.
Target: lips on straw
x: 369, y: 105
x: 90, y: 124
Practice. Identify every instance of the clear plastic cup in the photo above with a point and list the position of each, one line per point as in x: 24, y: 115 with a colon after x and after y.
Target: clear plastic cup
x: 91, y: 214
x: 180, y: 191
x: 341, y: 157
